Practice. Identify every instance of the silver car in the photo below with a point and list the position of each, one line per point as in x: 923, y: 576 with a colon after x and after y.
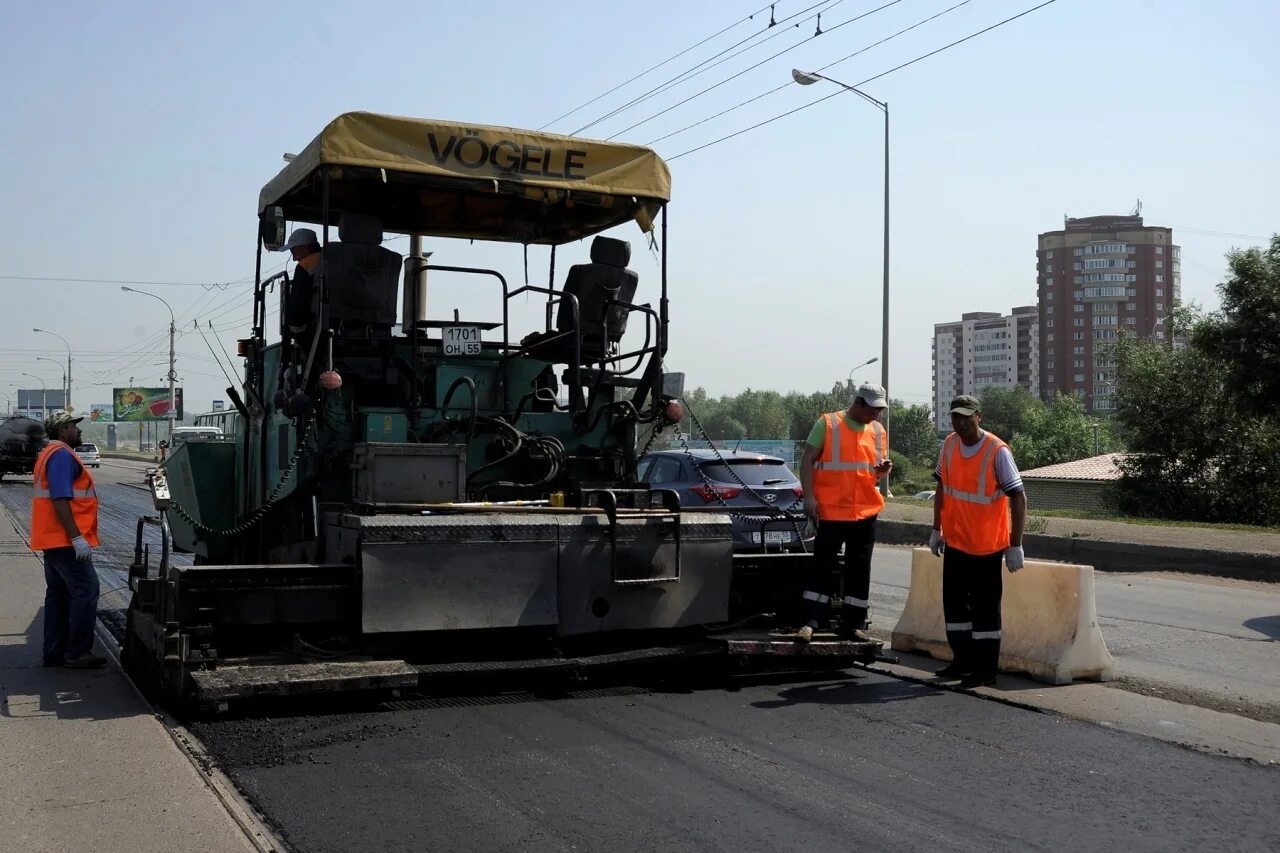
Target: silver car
x: 89, y: 456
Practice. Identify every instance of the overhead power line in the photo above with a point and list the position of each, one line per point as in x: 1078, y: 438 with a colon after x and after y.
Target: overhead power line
x: 208, y: 284
x: 790, y: 84
x: 842, y: 91
x: 690, y: 73
x: 757, y: 65
x: 653, y: 68
x: 1224, y: 234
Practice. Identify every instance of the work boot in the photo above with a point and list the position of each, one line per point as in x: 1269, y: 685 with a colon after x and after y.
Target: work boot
x: 978, y: 680
x: 804, y: 633
x: 952, y: 671
x: 855, y: 635
x: 85, y: 661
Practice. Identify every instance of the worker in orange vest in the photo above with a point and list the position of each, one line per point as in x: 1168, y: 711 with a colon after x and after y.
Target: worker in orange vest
x: 846, y: 454
x: 64, y: 525
x: 979, y: 510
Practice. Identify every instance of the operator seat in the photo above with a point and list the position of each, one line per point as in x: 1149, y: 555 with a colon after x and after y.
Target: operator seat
x: 361, y: 275
x: 605, y: 278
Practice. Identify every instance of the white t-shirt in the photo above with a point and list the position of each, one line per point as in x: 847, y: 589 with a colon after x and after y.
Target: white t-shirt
x: 1007, y: 476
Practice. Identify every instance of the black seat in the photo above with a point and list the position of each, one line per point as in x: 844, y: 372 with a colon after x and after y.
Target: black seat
x: 362, y: 276
x: 605, y: 278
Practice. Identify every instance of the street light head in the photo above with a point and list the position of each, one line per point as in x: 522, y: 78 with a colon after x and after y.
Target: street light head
x: 126, y: 288
x: 37, y: 330
x: 804, y: 78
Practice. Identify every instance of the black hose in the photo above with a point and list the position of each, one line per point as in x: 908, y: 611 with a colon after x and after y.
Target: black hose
x: 475, y: 404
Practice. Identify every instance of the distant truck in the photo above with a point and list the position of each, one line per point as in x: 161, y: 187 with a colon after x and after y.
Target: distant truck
x: 21, y: 440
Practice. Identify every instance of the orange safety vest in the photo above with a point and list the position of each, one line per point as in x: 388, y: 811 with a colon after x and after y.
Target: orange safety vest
x: 975, y: 513
x: 844, y: 477
x: 46, y: 531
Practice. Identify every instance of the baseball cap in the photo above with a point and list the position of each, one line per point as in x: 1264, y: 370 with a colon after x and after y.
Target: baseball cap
x: 965, y: 404
x: 58, y: 419
x: 300, y: 237
x: 872, y: 395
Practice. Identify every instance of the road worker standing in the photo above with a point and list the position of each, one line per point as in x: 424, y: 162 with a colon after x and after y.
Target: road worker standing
x: 846, y: 454
x: 979, y: 510
x: 64, y: 525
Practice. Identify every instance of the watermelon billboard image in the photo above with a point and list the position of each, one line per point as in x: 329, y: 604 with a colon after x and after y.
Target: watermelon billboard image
x: 144, y: 404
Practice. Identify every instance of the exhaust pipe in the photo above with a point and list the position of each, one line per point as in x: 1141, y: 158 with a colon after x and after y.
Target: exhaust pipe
x: 414, y: 300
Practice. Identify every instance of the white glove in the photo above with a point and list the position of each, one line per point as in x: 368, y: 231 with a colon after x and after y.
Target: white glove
x: 83, y: 551
x: 936, y: 542
x: 1013, y: 557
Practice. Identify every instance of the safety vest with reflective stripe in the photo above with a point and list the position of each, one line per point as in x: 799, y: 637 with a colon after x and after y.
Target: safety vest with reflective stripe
x: 844, y: 477
x: 46, y: 531
x: 975, y: 512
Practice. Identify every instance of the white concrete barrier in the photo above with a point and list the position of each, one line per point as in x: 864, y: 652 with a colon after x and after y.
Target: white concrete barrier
x: 1049, y: 615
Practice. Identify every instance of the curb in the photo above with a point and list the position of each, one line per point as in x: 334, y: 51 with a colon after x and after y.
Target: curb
x: 251, y: 824
x: 1109, y: 556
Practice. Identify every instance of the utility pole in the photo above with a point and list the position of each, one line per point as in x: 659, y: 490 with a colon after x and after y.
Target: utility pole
x: 67, y: 399
x: 808, y: 78
x: 44, y: 396
x: 173, y: 373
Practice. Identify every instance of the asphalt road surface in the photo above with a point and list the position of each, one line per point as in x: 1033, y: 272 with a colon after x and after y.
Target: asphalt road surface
x: 864, y: 763
x: 834, y: 764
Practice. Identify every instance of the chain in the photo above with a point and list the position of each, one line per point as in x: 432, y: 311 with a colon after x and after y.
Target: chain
x: 711, y: 489
x: 261, y: 512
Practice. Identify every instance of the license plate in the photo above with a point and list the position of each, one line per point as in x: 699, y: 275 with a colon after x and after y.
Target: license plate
x: 462, y: 340
x: 771, y: 537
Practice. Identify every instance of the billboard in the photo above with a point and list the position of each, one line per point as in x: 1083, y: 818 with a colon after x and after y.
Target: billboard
x: 143, y: 404
x: 50, y: 399
x: 100, y: 413
x: 217, y: 405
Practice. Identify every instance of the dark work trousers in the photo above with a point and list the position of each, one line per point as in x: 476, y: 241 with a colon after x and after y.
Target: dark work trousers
x: 70, y: 605
x: 859, y: 540
x: 971, y: 590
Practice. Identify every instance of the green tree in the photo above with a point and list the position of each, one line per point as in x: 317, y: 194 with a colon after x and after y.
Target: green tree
x: 1243, y: 336
x: 723, y: 426
x: 1199, y: 450
x: 1058, y: 432
x: 1005, y: 410
x: 911, y: 432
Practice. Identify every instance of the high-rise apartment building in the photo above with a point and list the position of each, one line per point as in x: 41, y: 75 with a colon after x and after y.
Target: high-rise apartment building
x: 1099, y: 277
x: 983, y: 350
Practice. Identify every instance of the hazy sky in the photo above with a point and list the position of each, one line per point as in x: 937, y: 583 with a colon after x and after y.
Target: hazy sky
x: 135, y: 137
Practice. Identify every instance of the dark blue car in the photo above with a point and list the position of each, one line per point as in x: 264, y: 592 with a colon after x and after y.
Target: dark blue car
x: 751, y: 486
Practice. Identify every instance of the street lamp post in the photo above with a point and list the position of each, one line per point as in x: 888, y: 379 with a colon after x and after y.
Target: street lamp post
x: 871, y: 360
x: 806, y: 78
x: 67, y: 398
x: 57, y: 364
x: 44, y: 396
x: 173, y: 406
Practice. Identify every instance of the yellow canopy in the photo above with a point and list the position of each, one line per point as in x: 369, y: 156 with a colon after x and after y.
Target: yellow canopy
x: 445, y: 179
